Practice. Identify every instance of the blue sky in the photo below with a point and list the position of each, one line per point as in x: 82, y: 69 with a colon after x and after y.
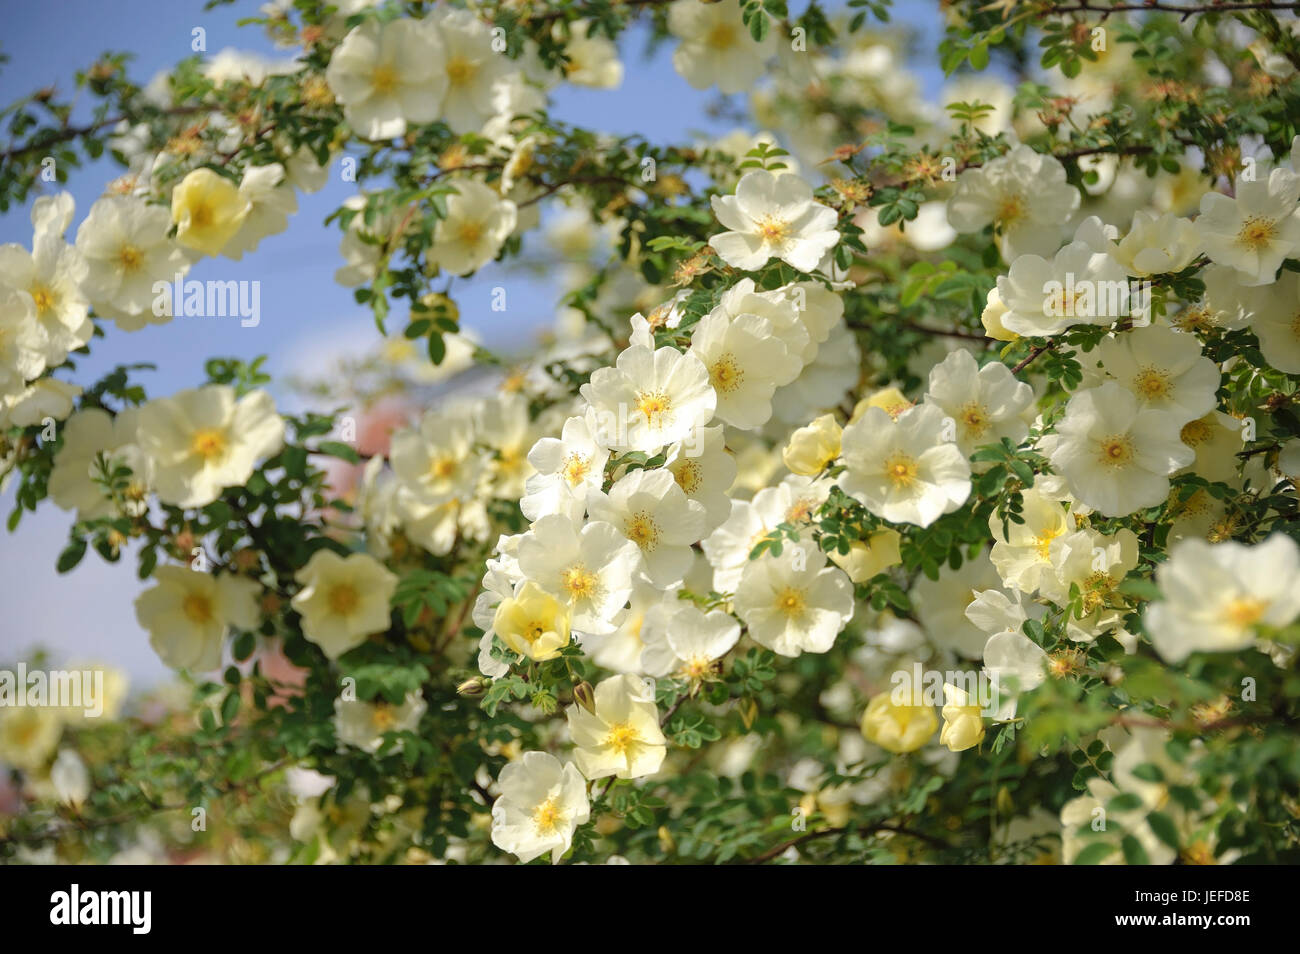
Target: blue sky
x: 306, y: 316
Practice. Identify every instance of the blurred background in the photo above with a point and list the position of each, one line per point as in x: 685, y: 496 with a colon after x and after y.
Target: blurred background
x: 308, y: 321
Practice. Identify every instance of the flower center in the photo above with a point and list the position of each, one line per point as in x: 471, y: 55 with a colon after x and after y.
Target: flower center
x: 622, y: 738
x: 1043, y: 541
x: 655, y: 405
x: 697, y: 667
x: 1244, y: 611
x: 689, y: 476
x: 642, y: 530
x: 772, y: 229
x: 1152, y: 383
x: 901, y: 471
x: 201, y: 216
x: 197, y: 608
x: 547, y: 815
x: 1257, y: 232
x: 575, y: 468
x: 579, y: 582
x: 1194, y: 433
x: 975, y: 419
x: 382, y: 718
x: 800, y: 511
x: 725, y: 374
x: 45, y: 297
x: 460, y: 70
x: 208, y: 443
x: 442, y: 468
x: 470, y: 232
x: 130, y: 258
x: 343, y: 599
x: 790, y: 602
x: 1115, y: 451
x: 721, y: 36
x: 1010, y: 210
x: 384, y: 80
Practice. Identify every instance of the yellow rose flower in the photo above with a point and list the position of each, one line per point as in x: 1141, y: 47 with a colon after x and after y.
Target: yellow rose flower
x: 533, y: 623
x: 898, y: 728
x: 208, y: 210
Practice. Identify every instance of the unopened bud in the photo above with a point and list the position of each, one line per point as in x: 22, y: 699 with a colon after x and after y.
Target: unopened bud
x: 473, y: 687
x: 585, y: 696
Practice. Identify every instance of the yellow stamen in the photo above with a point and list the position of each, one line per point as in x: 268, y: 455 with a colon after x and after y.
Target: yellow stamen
x: 343, y: 599
x: 208, y: 443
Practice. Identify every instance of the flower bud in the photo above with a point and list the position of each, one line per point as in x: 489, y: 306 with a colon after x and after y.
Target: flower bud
x: 813, y: 446
x: 473, y: 687
x: 585, y: 696
x: 867, y: 558
x: 991, y: 318
x: 963, y: 720
x: 890, y: 400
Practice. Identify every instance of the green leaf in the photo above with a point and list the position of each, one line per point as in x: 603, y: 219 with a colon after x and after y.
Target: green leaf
x: 71, y: 555
x: 1095, y: 853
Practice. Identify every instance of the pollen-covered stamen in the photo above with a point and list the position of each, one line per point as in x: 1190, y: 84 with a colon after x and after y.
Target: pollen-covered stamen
x: 46, y: 298
x: 642, y: 530
x: 773, y: 230
x: 579, y: 582
x: 791, y: 602
x: 534, y: 630
x: 1244, y: 611
x: 547, y: 816
x: 208, y: 443
x: 1011, y: 209
x: 575, y: 468
x: 1257, y: 232
x: 1152, y: 383
x: 383, y: 717
x: 1043, y: 541
x: 622, y: 738
x: 689, y: 475
x: 901, y: 470
x: 697, y: 667
x: 975, y: 419
x: 1115, y: 451
x: 1195, y: 433
x: 656, y: 407
x: 201, y: 215
x: 384, y: 79
x: 461, y: 70
x: 800, y: 511
x: 130, y: 258
x: 722, y: 36
x: 470, y: 232
x: 442, y: 467
x: 726, y: 374
x: 1096, y: 587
